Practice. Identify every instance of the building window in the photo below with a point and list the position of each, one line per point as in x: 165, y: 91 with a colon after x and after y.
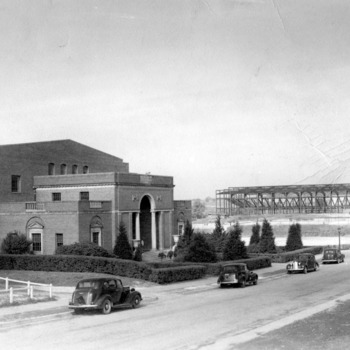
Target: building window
x: 95, y: 237
x: 84, y: 196
x: 85, y: 169
x: 56, y: 196
x: 36, y: 238
x: 16, y: 183
x: 63, y: 169
x: 180, y: 229
x: 59, y: 239
x: 51, y: 169
x: 74, y: 169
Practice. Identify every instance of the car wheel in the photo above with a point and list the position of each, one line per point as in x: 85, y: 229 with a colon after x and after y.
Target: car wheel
x: 136, y: 302
x: 289, y: 272
x: 78, y: 311
x: 305, y: 269
x: 106, y: 307
x: 255, y: 282
x: 316, y: 267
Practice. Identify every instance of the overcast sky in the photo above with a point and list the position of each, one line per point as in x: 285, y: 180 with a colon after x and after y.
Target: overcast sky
x: 216, y: 93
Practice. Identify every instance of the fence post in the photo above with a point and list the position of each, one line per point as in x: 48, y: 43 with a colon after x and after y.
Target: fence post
x: 50, y: 290
x: 28, y: 288
x: 6, y: 283
x: 31, y: 292
x: 11, y: 295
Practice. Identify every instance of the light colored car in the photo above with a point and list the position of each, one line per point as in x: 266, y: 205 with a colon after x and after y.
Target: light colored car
x: 304, y: 263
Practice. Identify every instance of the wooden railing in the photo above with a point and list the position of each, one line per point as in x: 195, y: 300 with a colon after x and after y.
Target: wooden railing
x: 29, y: 288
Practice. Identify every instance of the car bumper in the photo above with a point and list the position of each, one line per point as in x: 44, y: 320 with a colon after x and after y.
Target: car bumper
x: 83, y: 306
x: 329, y: 260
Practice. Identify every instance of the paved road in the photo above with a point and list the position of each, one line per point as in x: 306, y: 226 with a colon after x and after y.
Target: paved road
x: 199, y: 316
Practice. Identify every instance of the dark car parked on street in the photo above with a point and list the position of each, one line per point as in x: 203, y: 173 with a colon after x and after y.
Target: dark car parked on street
x: 103, y: 294
x: 236, y: 273
x: 332, y: 255
x: 304, y: 263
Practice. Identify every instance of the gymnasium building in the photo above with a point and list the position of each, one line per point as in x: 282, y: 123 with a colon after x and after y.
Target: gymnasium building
x: 62, y: 192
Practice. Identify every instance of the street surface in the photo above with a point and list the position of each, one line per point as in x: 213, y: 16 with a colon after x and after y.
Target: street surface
x: 197, y: 316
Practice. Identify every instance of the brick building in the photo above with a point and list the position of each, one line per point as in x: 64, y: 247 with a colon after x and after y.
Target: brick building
x: 62, y: 192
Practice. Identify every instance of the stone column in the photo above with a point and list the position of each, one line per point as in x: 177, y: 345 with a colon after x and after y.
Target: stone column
x: 138, y: 236
x: 154, y: 231
x: 161, y: 231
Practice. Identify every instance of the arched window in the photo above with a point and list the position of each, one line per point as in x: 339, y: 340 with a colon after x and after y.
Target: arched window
x: 74, y: 169
x: 85, y: 169
x: 51, y: 169
x: 63, y: 169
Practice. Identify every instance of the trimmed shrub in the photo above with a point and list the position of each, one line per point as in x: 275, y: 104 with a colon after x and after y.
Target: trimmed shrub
x: 15, y: 243
x: 294, y: 241
x: 184, y: 242
x: 235, y: 248
x: 200, y: 250
x: 87, y: 249
x: 255, y: 237
x: 267, y: 239
x: 122, y: 248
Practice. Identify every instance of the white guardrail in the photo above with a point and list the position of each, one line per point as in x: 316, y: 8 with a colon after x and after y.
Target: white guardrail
x: 29, y: 287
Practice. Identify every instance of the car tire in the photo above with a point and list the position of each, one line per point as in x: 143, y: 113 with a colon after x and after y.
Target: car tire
x: 78, y: 311
x: 136, y: 301
x: 106, y: 307
x: 255, y: 282
x: 305, y: 269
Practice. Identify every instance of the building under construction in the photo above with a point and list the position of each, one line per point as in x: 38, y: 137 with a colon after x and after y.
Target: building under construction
x: 333, y: 198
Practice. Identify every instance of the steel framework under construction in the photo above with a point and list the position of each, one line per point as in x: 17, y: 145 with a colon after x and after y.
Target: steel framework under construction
x: 334, y: 198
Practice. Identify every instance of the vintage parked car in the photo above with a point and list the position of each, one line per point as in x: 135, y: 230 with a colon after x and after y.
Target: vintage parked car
x: 103, y: 294
x: 332, y: 255
x: 236, y: 273
x: 304, y: 263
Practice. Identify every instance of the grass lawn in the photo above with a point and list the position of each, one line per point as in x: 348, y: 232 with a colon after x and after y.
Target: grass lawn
x: 63, y: 279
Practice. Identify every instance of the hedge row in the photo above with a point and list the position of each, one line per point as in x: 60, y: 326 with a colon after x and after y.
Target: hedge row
x: 161, y: 273
x: 288, y: 256
x: 126, y: 268
x: 171, y: 274
x: 252, y: 264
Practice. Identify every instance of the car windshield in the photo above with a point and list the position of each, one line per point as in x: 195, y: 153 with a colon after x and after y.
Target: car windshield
x: 330, y: 251
x: 233, y: 269
x: 88, y: 284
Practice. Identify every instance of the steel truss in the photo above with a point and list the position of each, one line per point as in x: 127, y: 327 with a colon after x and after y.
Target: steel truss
x: 283, y: 199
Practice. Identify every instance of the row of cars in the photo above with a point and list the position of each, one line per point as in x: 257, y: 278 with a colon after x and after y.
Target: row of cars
x: 238, y: 273
x: 107, y: 293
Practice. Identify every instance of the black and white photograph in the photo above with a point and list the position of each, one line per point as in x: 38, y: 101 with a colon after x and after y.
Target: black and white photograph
x: 175, y: 174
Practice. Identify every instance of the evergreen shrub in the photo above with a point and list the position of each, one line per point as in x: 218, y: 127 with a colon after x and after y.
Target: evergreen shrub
x: 15, y: 243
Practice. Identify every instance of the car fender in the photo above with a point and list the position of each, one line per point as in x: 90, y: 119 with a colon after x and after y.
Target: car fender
x: 131, y: 296
x: 102, y: 298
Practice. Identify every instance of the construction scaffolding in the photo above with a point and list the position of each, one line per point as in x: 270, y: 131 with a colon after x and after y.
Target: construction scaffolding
x: 334, y: 198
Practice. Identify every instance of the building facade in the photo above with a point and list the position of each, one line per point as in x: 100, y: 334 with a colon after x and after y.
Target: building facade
x: 62, y: 192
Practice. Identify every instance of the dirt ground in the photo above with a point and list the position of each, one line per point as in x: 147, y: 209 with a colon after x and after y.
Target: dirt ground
x: 326, y: 330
